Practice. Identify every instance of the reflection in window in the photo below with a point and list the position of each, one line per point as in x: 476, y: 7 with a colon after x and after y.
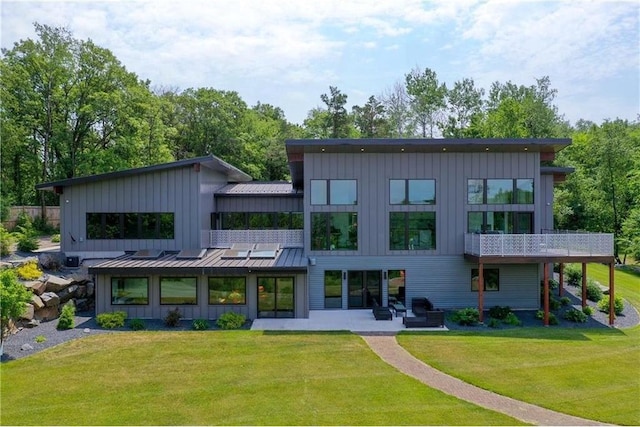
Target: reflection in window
x: 334, y: 192
x: 475, y: 191
x: 524, y: 191
x: 129, y: 290
x: 499, y: 191
x: 319, y: 192
x: 227, y: 290
x: 490, y: 276
x: 131, y: 225
x: 333, y: 289
x: 475, y: 222
x: 412, y: 191
x: 334, y: 230
x: 412, y: 230
x: 500, y: 222
x: 178, y: 290
x: 261, y: 220
x: 396, y: 285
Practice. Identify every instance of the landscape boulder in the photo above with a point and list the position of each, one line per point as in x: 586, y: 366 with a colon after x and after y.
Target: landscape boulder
x: 36, y: 301
x: 67, y: 293
x: 51, y: 261
x: 56, y: 284
x: 50, y: 299
x: 28, y: 312
x: 90, y: 288
x: 47, y: 313
x: 32, y: 323
x: 37, y: 287
x: 82, y: 304
x: 80, y: 277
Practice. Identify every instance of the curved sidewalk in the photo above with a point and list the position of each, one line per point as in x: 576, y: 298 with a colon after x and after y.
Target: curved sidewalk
x: 391, y: 352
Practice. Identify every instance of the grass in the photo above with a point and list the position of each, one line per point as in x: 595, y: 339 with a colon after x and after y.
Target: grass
x: 626, y: 282
x: 230, y: 378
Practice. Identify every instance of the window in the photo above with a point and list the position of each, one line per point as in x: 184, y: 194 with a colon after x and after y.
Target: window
x: 500, y: 222
x: 178, y: 290
x: 132, y: 225
x: 334, y: 192
x: 129, y: 290
x: 260, y: 220
x: 396, y: 285
x: 334, y: 230
x: 227, y: 290
x: 333, y: 289
x: 500, y: 191
x: 412, y: 230
x: 412, y: 191
x: 491, y: 277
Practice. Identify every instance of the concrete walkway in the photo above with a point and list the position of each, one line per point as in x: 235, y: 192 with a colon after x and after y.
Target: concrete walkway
x: 392, y: 353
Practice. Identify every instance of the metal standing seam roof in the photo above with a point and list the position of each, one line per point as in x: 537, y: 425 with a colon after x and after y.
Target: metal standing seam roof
x: 257, y: 188
x: 286, y: 259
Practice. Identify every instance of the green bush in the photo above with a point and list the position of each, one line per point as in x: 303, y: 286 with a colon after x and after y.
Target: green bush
x: 67, y: 317
x: 27, y: 239
x: 493, y: 323
x: 231, y: 320
x: 588, y: 310
x: 43, y: 226
x: 565, y: 301
x: 498, y: 312
x: 594, y: 293
x: 137, y: 324
x: 6, y: 242
x: 40, y: 339
x: 172, y: 319
x: 575, y: 316
x: 618, y: 305
x: 200, y: 325
x: 554, y: 304
x: 111, y: 320
x: 512, y: 320
x: 466, y: 316
x: 553, y: 320
x: 55, y: 238
x: 573, y: 275
x: 24, y: 220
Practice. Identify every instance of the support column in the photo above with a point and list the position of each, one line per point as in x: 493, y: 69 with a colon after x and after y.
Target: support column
x: 560, y: 287
x: 480, y: 291
x: 612, y: 296
x: 584, y: 284
x: 545, y: 268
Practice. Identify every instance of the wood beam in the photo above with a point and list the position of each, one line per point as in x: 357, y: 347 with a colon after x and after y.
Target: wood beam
x: 560, y: 287
x: 545, y: 275
x: 584, y: 284
x: 612, y: 296
x: 480, y: 291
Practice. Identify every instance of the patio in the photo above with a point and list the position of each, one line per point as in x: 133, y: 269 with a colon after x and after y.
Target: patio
x: 337, y: 320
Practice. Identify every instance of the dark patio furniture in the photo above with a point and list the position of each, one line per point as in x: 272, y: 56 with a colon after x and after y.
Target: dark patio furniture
x: 380, y: 312
x: 398, y: 308
x: 420, y: 306
x: 430, y: 319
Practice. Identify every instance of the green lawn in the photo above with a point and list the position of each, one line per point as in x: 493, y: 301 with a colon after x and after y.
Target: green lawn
x: 626, y: 282
x: 222, y: 377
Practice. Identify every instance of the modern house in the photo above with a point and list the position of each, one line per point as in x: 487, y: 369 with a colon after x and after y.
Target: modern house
x: 464, y: 222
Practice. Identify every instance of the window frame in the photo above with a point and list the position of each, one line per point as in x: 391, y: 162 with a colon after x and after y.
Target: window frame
x: 123, y: 280
x: 517, y: 193
x: 325, y: 220
x: 513, y: 224
x: 406, y: 230
x: 407, y: 199
x: 323, y: 190
x: 332, y: 298
x: 225, y: 279
x: 121, y: 225
x: 488, y: 275
x: 195, y: 289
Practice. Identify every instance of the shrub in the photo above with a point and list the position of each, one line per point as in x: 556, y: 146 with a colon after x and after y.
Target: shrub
x: 27, y: 239
x: 540, y: 314
x: 29, y: 271
x: 67, y: 317
x: 231, y: 320
x: 6, y: 242
x: 573, y: 275
x: 498, y: 312
x: 493, y: 322
x: 512, y: 319
x: 618, y: 305
x: 553, y: 320
x: 466, y: 316
x: 41, y: 339
x: 575, y: 316
x: 554, y: 304
x: 565, y: 301
x: 24, y: 220
x: 200, y: 325
x: 13, y: 297
x: 55, y: 238
x: 588, y: 310
x: 137, y: 324
x: 594, y: 293
x: 43, y: 226
x: 172, y: 319
x: 111, y: 320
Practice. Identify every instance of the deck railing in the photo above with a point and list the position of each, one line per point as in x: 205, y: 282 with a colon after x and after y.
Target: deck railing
x: 226, y: 238
x: 560, y: 244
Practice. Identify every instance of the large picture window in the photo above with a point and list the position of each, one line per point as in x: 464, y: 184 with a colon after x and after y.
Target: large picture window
x: 333, y: 289
x: 227, y: 291
x: 260, y: 220
x: 500, y: 222
x: 490, y: 276
x: 334, y: 192
x: 129, y: 290
x: 500, y: 191
x: 178, y: 290
x: 132, y: 225
x: 412, y: 230
x: 334, y: 231
x: 412, y: 191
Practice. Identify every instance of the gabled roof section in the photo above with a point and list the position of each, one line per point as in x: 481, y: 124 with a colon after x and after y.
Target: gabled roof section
x: 258, y: 189
x: 212, y: 162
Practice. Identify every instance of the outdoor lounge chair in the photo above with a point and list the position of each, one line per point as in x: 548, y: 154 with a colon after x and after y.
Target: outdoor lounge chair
x: 430, y: 319
x: 380, y: 312
x: 420, y: 306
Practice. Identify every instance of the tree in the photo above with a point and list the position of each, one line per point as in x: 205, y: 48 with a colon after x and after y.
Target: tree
x: 397, y: 105
x: 427, y: 99
x: 338, y: 118
x: 464, y: 102
x: 317, y: 124
x: 370, y: 119
x: 13, y: 297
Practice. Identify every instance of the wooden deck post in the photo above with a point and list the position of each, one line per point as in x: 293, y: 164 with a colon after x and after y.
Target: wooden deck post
x: 584, y: 284
x: 545, y: 275
x: 561, y: 281
x: 480, y: 291
x: 612, y: 297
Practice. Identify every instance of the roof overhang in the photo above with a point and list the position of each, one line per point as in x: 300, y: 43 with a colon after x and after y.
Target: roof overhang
x: 559, y: 172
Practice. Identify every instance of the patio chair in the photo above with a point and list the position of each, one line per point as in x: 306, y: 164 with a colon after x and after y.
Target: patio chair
x: 380, y: 312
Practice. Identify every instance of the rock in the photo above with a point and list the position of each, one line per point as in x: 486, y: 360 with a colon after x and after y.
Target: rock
x: 51, y: 261
x: 82, y: 304
x: 86, y: 330
x: 26, y: 347
x: 47, y: 313
x: 4, y: 265
x: 37, y: 287
x: 82, y: 291
x: 56, y: 284
x: 80, y: 277
x: 36, y: 301
x: 28, y: 312
x: 90, y: 288
x: 32, y: 323
x: 50, y: 299
x: 67, y: 293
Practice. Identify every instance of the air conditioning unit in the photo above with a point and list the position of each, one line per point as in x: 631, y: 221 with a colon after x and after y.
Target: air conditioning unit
x: 73, y: 261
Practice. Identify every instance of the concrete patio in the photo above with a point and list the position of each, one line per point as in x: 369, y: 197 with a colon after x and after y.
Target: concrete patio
x: 337, y: 320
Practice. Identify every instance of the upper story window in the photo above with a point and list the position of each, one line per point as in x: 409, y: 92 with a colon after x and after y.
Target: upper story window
x: 412, y: 191
x: 500, y: 191
x: 412, y: 230
x: 334, y: 192
x: 133, y: 225
x: 334, y: 230
x: 259, y: 220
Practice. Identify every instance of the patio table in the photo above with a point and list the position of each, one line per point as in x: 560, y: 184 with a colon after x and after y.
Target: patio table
x: 398, y: 307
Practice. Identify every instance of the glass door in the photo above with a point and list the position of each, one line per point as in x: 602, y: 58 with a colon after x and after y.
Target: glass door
x: 275, y: 297
x: 364, y: 287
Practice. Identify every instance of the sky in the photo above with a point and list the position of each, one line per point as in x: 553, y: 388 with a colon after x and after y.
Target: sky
x: 288, y: 52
